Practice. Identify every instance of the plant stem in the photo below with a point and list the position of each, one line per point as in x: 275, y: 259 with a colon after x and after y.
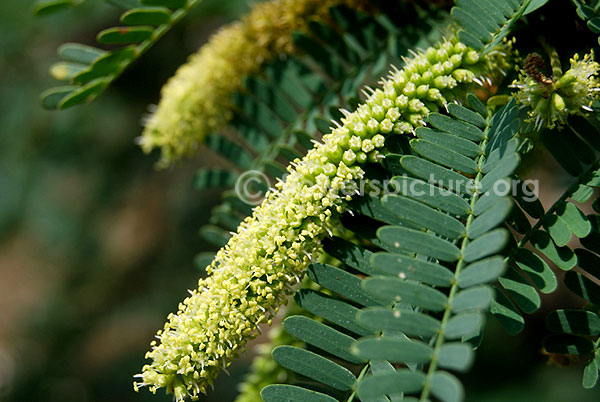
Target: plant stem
x: 454, y: 288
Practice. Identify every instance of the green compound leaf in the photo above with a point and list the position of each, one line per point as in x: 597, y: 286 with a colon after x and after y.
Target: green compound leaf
x: 143, y: 26
x: 146, y: 16
x: 449, y: 142
x: 475, y: 298
x: 430, y: 195
x: 446, y: 387
x: 399, y: 290
x: 321, y: 336
x: 282, y: 392
x: 575, y: 322
x: 467, y: 115
x: 568, y: 344
x: 214, y: 178
x: 411, y: 268
x: 106, y: 65
x: 444, y: 156
x: 124, y: 35
x: 488, y: 244
x: 313, y: 366
x: 173, y: 4
x: 482, y: 271
x: 65, y: 71
x: 214, y: 235
x: 427, y: 241
x: 429, y: 238
x: 490, y: 218
x: 343, y: 283
x: 379, y: 385
x: 79, y: 53
x: 590, y: 374
x: 456, y: 127
x: 411, y: 323
x: 47, y: 7
x: 331, y: 309
x: 350, y: 254
x: 51, y: 98
x: 83, y: 94
x: 392, y: 349
x: 463, y: 324
x: 563, y: 257
x: 485, y: 23
x: 415, y: 213
x: 402, y: 239
x: 456, y: 356
x: 537, y: 270
x: 517, y: 286
x: 507, y: 313
x: 583, y: 287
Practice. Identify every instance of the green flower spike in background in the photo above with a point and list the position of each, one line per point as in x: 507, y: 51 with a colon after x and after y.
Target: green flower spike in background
x: 197, y: 100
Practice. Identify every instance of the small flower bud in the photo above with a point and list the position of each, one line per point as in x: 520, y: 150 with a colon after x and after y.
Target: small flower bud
x: 386, y: 126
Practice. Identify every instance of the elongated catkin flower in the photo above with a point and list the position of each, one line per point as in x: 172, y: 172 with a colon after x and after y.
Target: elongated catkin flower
x: 197, y: 100
x: 252, y: 275
x: 552, y: 100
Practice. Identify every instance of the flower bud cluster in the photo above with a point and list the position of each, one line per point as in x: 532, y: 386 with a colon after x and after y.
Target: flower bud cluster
x: 252, y: 275
x: 551, y: 101
x: 197, y: 100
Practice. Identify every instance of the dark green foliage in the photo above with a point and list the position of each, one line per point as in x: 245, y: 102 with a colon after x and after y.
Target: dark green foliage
x: 45, y: 7
x: 485, y: 23
x: 552, y: 236
x: 283, y: 392
x: 590, y: 13
x: 91, y: 70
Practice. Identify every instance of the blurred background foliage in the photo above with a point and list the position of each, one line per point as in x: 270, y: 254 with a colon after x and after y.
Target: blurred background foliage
x: 97, y: 247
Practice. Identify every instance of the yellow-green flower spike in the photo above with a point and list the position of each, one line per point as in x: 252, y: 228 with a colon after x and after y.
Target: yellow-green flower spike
x: 197, y: 100
x: 551, y: 100
x: 252, y: 275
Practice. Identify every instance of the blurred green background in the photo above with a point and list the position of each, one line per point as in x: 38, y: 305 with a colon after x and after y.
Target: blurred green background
x: 97, y: 247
